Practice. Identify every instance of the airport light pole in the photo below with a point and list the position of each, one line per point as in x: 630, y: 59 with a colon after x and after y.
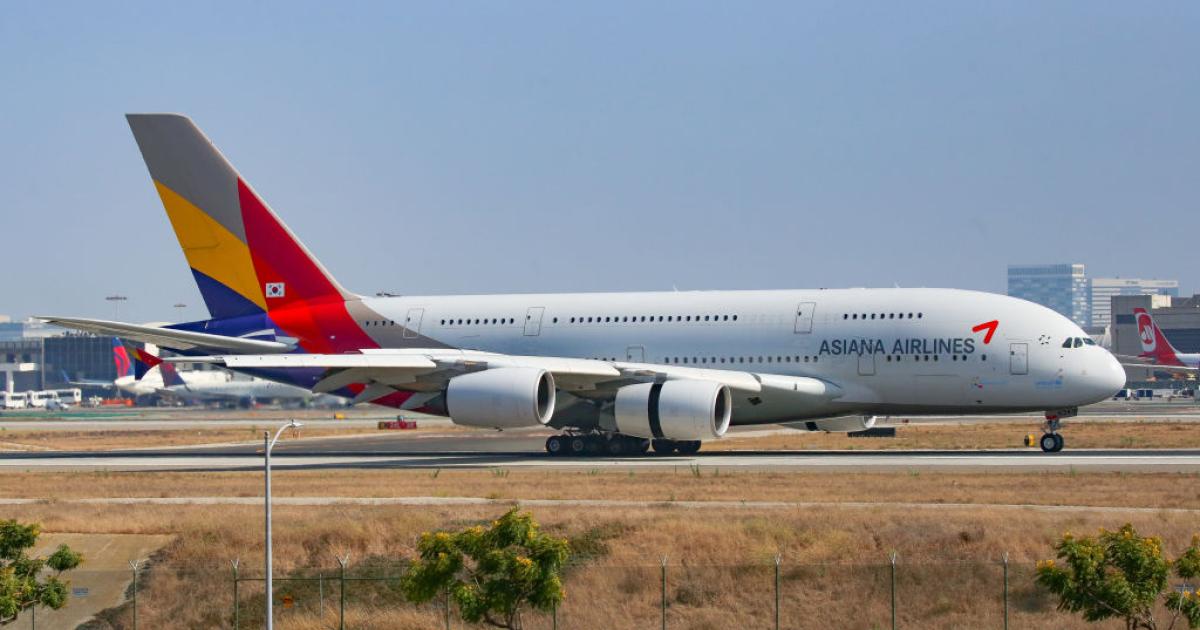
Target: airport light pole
x: 268, y: 444
x: 116, y: 300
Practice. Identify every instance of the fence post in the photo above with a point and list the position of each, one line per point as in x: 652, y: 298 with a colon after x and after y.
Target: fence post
x: 321, y: 595
x: 664, y: 593
x: 893, y: 590
x: 342, y: 605
x: 1005, y: 590
x: 446, y: 609
x: 133, y: 564
x: 777, y: 561
x: 236, y: 621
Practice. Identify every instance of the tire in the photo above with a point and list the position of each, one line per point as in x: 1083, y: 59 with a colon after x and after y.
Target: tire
x: 1050, y: 443
x: 594, y: 444
x: 641, y: 446
x: 555, y: 445
x: 576, y: 445
x: 664, y: 447
x: 616, y: 445
x: 688, y: 447
x: 1059, y: 442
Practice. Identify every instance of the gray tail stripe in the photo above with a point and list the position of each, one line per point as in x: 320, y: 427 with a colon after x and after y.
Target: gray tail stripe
x: 652, y: 409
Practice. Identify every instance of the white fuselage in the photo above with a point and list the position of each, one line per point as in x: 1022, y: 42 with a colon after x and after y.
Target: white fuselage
x: 891, y: 351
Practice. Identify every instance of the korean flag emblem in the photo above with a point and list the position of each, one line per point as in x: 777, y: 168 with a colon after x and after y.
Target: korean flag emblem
x: 274, y: 289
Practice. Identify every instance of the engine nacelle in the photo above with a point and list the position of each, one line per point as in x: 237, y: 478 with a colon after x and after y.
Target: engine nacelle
x: 503, y: 398
x: 845, y: 424
x: 677, y: 410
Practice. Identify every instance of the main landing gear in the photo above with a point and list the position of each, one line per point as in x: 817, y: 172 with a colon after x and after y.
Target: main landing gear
x: 615, y: 444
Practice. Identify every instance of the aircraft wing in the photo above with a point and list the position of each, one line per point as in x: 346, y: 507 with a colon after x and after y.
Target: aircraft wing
x: 384, y: 371
x: 169, y: 337
x: 1163, y: 368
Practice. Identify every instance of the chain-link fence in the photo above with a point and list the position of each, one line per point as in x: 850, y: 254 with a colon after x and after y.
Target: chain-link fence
x: 664, y: 594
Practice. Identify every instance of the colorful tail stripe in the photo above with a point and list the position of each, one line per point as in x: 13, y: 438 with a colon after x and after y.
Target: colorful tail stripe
x: 121, y: 359
x: 245, y: 261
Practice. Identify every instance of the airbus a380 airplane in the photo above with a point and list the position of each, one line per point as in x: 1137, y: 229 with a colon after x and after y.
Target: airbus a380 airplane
x: 612, y: 370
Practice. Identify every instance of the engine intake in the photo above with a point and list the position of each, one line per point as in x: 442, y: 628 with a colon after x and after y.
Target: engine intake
x: 677, y: 410
x: 502, y: 398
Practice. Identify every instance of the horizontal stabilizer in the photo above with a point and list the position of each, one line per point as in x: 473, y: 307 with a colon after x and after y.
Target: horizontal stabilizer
x: 169, y: 337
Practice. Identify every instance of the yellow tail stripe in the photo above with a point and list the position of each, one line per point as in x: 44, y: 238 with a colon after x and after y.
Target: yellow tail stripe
x: 210, y: 248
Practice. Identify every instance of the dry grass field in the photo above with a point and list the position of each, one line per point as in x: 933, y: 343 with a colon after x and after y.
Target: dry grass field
x: 67, y: 440
x: 834, y: 558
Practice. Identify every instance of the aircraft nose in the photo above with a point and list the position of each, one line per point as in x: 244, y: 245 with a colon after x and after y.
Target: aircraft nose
x: 1106, y: 377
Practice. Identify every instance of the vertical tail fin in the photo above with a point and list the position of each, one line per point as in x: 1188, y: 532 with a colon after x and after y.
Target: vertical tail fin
x: 143, y: 361
x: 244, y: 259
x: 1154, y: 342
x: 121, y: 358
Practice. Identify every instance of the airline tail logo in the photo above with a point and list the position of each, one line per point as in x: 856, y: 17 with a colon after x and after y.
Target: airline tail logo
x: 1146, y: 330
x: 121, y: 359
x: 1154, y: 344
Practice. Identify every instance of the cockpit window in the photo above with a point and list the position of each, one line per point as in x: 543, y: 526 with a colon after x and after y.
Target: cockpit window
x: 1078, y: 342
x: 1089, y: 341
x: 1067, y: 343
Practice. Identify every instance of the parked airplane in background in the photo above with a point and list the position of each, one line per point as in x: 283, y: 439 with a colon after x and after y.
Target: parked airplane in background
x: 141, y: 373
x: 612, y: 370
x: 1157, y: 350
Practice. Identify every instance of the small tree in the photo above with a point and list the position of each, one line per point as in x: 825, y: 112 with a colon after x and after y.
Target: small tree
x: 1120, y: 575
x: 491, y: 573
x: 22, y: 584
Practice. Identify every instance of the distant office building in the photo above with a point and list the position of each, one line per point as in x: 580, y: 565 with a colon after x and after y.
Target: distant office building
x: 1063, y: 288
x: 1104, y: 289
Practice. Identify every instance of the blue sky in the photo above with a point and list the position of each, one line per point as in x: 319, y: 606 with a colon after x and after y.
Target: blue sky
x: 518, y: 147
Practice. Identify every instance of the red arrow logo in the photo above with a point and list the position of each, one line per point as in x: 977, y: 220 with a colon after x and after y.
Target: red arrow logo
x: 990, y: 327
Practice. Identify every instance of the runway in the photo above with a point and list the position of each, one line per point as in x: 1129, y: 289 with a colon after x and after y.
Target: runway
x: 303, y: 456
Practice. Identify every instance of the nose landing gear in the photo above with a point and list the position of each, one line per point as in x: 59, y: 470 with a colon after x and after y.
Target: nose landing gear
x: 1052, y: 440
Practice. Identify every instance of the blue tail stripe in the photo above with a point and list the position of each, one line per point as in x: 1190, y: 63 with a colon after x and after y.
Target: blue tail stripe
x: 223, y: 302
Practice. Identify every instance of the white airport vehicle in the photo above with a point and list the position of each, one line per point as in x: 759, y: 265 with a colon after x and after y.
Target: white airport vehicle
x: 14, y: 400
x: 615, y: 372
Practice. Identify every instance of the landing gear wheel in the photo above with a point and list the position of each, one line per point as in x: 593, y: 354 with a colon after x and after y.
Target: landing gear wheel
x: 616, y: 445
x: 641, y: 446
x: 688, y: 447
x: 555, y: 445
x: 576, y: 445
x: 664, y: 447
x: 1051, y: 443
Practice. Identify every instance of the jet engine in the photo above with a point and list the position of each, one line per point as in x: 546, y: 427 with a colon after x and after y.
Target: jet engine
x: 502, y: 398
x: 845, y: 424
x: 676, y: 410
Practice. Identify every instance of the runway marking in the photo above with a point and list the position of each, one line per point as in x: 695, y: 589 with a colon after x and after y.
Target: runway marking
x: 589, y: 503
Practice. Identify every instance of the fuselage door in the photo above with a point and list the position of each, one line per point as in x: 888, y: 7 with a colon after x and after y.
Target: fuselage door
x: 636, y: 354
x: 804, y: 317
x: 412, y: 323
x: 533, y: 321
x: 1018, y: 358
x: 866, y: 364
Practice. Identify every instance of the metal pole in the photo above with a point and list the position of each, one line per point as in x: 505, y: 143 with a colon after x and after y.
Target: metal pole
x: 236, y: 621
x: 664, y: 593
x: 321, y: 593
x: 267, y: 522
x: 1005, y: 590
x: 446, y: 608
x: 893, y: 590
x: 342, y: 605
x: 777, y: 561
x: 133, y: 564
x: 33, y: 617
